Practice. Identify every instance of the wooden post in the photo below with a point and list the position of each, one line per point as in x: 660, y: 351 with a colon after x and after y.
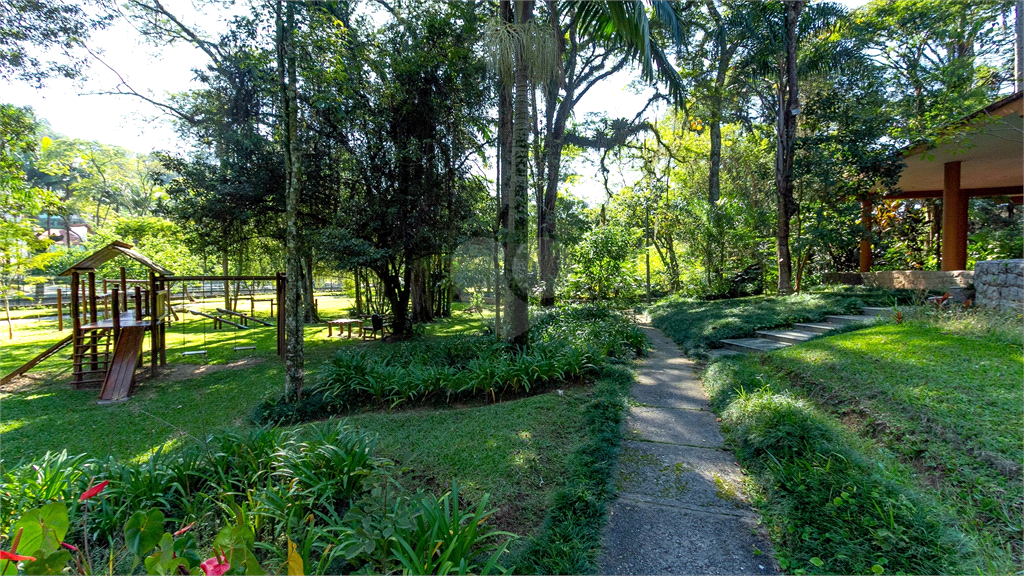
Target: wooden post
x: 954, y: 219
x: 281, y: 334
x: 272, y: 307
x: 85, y: 302
x: 154, y: 332
x: 76, y: 327
x: 92, y: 319
x: 252, y: 306
x: 60, y: 311
x: 865, y: 240
x: 115, y: 303
x: 138, y: 303
x: 124, y: 289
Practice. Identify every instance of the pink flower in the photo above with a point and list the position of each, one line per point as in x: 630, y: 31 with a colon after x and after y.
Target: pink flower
x: 94, y: 490
x: 69, y: 546
x: 215, y: 566
x: 185, y: 529
x: 5, y: 555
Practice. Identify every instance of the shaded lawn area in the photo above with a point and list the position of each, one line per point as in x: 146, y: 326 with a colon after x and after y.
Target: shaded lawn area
x: 946, y: 405
x: 696, y: 325
x: 190, y: 397
x: 517, y: 451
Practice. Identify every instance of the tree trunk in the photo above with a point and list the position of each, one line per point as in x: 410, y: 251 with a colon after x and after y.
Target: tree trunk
x: 515, y: 257
x: 1018, y: 52
x: 421, y: 310
x: 294, y: 355
x: 788, y: 102
x: 308, y: 294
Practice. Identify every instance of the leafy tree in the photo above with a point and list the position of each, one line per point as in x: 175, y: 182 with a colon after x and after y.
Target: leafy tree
x: 604, y: 261
x: 30, y: 29
x: 19, y: 203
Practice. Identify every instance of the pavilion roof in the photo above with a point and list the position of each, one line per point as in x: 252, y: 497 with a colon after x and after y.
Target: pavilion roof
x: 989, y: 144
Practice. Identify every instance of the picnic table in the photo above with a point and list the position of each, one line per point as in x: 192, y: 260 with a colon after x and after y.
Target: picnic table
x: 342, y: 322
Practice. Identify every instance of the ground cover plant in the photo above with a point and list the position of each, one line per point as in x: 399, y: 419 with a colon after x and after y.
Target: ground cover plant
x: 895, y: 448
x: 697, y: 325
x: 321, y: 488
x: 567, y: 347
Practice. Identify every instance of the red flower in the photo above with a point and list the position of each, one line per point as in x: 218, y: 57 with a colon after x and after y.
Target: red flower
x: 69, y: 546
x: 215, y: 566
x: 94, y: 490
x: 5, y: 555
x: 185, y: 529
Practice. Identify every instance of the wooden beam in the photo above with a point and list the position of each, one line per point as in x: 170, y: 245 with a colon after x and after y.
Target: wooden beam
x: 954, y: 219
x: 969, y: 192
x: 218, y: 278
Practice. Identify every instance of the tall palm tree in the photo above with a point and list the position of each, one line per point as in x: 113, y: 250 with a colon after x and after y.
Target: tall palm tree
x: 795, y: 40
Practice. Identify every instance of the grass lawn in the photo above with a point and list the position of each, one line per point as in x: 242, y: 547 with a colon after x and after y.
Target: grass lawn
x: 697, y: 325
x: 942, y: 404
x: 517, y: 451
x: 191, y: 397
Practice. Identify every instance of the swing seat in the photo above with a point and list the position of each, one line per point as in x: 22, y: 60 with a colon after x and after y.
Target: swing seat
x: 237, y: 348
x: 194, y: 353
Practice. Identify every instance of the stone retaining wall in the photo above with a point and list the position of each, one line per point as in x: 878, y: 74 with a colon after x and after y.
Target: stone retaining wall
x: 919, y: 279
x: 1000, y: 283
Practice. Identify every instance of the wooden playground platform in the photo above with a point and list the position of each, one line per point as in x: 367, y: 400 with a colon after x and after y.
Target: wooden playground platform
x: 107, y: 352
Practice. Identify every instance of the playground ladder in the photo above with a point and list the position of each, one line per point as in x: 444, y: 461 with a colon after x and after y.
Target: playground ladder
x: 91, y: 357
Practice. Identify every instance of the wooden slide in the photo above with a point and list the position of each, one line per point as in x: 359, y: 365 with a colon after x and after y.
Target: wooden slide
x: 31, y: 363
x: 117, y: 386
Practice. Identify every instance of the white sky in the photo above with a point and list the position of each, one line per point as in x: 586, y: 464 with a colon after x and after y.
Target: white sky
x: 73, y: 108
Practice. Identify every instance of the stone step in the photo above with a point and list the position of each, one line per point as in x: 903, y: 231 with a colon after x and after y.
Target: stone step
x: 719, y: 352
x: 844, y: 319
x: 752, y: 344
x: 816, y: 327
x: 874, y: 311
x: 787, y: 336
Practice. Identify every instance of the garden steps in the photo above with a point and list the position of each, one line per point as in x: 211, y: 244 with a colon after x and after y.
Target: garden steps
x: 786, y: 336
x: 768, y: 340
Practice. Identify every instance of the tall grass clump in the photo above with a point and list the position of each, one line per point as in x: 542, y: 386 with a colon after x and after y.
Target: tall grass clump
x: 567, y: 346
x: 319, y: 487
x: 833, y: 504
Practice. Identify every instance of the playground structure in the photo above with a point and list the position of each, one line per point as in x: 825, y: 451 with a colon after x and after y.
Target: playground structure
x: 107, y: 351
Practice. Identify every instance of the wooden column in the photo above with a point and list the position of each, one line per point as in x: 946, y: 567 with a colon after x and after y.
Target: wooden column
x: 115, y: 303
x: 60, y: 311
x: 954, y: 219
x: 154, y: 335
x: 124, y: 289
x: 92, y: 319
x: 76, y: 327
x: 865, y: 240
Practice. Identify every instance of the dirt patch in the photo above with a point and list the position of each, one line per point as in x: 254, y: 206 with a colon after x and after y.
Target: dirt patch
x: 178, y: 372
x: 26, y: 382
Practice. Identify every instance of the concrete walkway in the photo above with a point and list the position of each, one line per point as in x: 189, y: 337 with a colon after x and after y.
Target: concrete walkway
x: 680, y: 507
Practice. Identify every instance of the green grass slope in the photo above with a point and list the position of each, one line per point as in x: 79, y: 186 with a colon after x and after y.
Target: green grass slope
x: 892, y: 448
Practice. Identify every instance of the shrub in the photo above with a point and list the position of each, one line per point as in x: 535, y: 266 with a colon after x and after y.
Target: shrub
x: 318, y: 487
x: 568, y: 345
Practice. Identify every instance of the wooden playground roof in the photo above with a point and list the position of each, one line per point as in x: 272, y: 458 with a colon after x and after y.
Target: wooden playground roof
x: 111, y: 251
